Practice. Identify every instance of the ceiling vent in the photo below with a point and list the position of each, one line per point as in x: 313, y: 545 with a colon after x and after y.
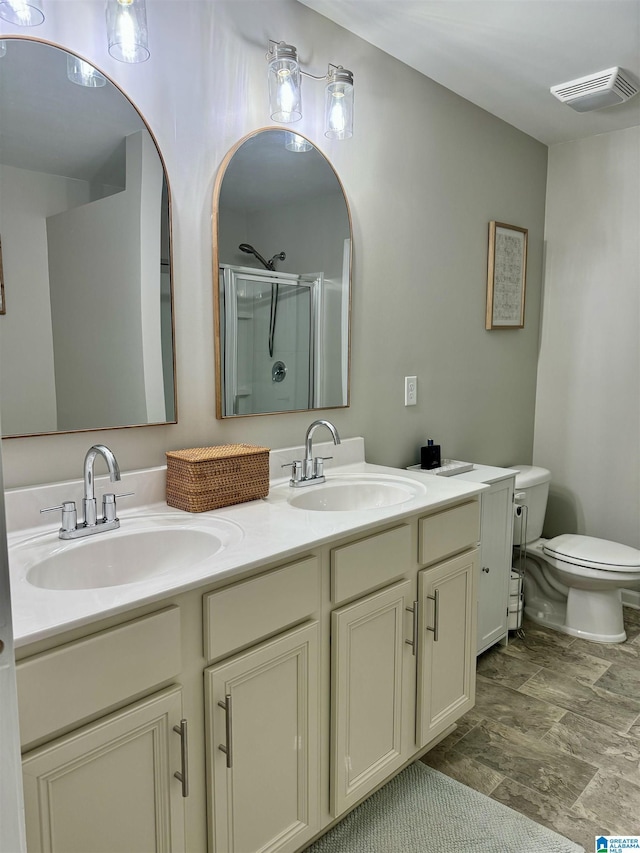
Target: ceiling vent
x: 604, y: 89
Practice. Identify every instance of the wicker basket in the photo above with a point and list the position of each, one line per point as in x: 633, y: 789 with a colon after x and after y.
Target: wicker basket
x: 204, y: 478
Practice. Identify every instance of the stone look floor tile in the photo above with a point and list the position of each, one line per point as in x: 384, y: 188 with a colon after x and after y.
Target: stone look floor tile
x: 597, y: 744
x: 508, y: 670
x: 586, y: 699
x: 631, y: 622
x: 523, y: 713
x: 539, y: 635
x: 548, y: 812
x: 569, y: 659
x: 472, y: 773
x: 527, y: 761
x: 558, y: 726
x: 628, y: 652
x: 614, y: 801
x: 623, y: 679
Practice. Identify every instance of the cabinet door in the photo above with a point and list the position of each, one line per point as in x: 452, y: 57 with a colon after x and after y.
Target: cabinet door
x: 495, y: 564
x: 262, y: 709
x: 368, y: 652
x: 446, y: 644
x: 109, y: 787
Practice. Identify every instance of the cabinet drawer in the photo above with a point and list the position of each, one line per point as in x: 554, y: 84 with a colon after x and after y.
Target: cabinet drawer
x: 248, y: 611
x: 81, y: 679
x: 371, y: 562
x: 448, y: 532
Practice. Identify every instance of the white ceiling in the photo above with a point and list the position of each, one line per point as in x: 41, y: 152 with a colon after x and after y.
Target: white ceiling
x: 503, y: 55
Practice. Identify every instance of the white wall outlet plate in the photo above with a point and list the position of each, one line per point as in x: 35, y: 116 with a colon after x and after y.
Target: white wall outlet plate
x: 410, y: 390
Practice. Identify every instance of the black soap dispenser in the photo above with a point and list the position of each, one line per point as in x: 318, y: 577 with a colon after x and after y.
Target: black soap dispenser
x: 430, y: 455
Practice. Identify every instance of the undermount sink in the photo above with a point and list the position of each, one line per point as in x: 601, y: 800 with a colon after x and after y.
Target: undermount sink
x: 141, y: 549
x: 357, y: 493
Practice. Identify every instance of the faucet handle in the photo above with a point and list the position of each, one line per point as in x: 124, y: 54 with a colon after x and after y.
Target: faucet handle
x: 318, y: 465
x: 109, y: 504
x: 69, y: 514
x: 296, y: 470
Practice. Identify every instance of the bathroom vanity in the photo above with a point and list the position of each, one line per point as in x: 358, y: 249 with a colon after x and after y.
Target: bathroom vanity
x: 248, y: 702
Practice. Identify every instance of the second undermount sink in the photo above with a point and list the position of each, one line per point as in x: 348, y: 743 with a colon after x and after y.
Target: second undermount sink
x: 356, y: 493
x: 143, y: 548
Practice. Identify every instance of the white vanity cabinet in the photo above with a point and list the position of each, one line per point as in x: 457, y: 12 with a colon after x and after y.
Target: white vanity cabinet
x: 496, y: 543
x: 262, y: 716
x: 263, y: 745
x: 110, y: 786
x: 370, y: 662
x: 446, y: 619
x: 107, y: 785
x: 305, y: 684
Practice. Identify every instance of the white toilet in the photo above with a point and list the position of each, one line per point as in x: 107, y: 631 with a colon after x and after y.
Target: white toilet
x: 572, y: 583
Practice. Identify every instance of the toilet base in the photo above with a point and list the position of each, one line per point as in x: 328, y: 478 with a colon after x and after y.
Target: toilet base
x: 577, y: 614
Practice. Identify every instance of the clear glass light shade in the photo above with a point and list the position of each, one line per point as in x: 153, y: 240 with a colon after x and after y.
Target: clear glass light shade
x: 338, y: 113
x: 127, y: 30
x: 84, y: 74
x: 3, y: 48
x: 285, y: 102
x: 297, y: 143
x: 24, y: 13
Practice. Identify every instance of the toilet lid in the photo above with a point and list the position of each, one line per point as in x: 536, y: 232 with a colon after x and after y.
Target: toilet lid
x: 594, y: 553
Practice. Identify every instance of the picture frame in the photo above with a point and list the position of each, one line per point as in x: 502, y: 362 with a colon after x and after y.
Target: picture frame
x: 3, y: 305
x: 506, y: 276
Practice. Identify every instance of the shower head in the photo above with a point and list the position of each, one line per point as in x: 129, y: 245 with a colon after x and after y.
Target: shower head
x: 248, y: 248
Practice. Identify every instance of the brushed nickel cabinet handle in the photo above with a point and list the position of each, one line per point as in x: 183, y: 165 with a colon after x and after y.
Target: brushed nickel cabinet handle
x: 414, y: 641
x: 436, y: 608
x: 183, y: 774
x: 226, y: 748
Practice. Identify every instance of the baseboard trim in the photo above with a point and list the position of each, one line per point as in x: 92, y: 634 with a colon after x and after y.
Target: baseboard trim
x: 630, y: 598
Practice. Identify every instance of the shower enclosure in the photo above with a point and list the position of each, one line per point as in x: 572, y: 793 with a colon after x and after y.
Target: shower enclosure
x: 271, y: 340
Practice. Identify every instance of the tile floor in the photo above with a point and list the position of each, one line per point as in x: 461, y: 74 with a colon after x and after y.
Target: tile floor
x: 555, y: 733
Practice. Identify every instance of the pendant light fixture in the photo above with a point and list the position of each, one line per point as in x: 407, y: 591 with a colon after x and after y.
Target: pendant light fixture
x: 338, y: 111
x: 24, y: 13
x: 285, y: 96
x: 285, y: 100
x: 83, y: 73
x: 297, y: 143
x: 127, y: 30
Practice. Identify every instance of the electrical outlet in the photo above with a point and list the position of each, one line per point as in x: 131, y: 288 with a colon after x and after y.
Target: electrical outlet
x: 410, y: 390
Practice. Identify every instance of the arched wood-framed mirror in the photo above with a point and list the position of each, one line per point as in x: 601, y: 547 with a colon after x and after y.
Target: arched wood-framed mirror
x: 282, y: 242
x: 87, y: 340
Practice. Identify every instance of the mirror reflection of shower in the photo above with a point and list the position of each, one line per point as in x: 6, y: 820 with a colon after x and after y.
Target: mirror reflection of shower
x: 275, y: 288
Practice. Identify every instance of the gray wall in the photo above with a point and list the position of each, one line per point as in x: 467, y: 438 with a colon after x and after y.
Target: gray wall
x: 588, y: 401
x: 424, y: 174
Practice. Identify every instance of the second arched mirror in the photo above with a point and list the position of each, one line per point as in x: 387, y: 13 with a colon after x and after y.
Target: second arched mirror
x: 282, y: 269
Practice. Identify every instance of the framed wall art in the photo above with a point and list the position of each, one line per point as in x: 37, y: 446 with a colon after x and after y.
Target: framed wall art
x: 506, y: 276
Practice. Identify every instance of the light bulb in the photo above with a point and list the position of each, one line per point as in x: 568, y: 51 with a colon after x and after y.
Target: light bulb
x: 127, y: 30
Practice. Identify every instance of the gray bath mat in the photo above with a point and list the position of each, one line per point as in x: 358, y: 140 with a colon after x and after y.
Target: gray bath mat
x: 422, y: 810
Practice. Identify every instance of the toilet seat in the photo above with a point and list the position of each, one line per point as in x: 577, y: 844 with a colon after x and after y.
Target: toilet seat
x: 592, y: 553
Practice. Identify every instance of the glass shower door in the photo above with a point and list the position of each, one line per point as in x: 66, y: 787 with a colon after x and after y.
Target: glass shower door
x: 268, y: 337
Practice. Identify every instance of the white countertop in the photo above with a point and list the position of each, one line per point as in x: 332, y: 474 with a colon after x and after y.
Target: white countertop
x: 266, y: 531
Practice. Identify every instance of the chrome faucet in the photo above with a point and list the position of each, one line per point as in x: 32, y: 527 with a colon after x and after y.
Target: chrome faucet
x: 310, y: 470
x: 92, y: 524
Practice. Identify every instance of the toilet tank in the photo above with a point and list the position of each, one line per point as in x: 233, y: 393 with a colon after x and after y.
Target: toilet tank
x: 532, y: 490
